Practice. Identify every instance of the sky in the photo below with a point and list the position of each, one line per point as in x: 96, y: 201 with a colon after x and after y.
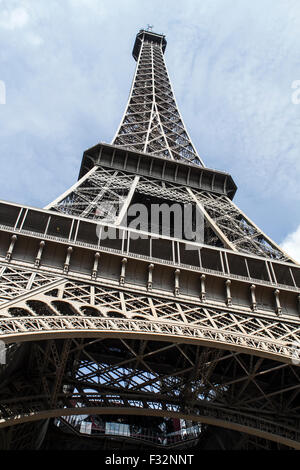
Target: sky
x: 66, y: 69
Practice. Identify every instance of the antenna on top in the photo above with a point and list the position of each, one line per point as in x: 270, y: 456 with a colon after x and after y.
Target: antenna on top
x: 149, y: 27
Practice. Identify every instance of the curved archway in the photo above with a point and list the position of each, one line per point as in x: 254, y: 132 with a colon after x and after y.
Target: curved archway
x: 115, y: 314
x: 90, y: 311
x: 64, y: 308
x: 263, y: 428
x: 130, y: 376
x: 40, y: 308
x: 19, y: 312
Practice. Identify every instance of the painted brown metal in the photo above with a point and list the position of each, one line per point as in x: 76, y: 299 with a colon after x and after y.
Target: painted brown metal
x: 151, y: 331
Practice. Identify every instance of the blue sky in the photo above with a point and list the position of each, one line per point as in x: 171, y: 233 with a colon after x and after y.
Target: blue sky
x: 67, y: 67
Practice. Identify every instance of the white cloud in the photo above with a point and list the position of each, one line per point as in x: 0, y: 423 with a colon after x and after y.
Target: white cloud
x: 231, y: 63
x: 16, y: 18
x: 291, y: 244
x: 34, y: 39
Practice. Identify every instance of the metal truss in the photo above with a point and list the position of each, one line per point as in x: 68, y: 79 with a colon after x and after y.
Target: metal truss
x: 156, y: 379
x: 133, y: 354
x: 152, y: 122
x: 71, y: 306
x: 15, y: 282
x: 105, y: 194
x: 102, y: 193
x: 164, y: 190
x: 240, y: 233
x: 90, y: 331
x: 99, y: 195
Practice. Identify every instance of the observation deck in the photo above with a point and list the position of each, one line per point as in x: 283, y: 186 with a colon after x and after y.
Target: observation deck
x: 144, y: 35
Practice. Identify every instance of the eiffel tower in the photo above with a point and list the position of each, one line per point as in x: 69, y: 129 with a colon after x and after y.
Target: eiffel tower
x: 117, y: 334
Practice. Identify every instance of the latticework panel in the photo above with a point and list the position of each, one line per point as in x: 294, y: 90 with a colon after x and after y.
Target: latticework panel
x: 99, y: 195
x: 243, y: 234
x: 159, y: 188
x: 147, y: 352
x: 15, y: 282
x: 146, y: 382
x: 199, y: 362
x: 152, y: 122
x: 76, y: 306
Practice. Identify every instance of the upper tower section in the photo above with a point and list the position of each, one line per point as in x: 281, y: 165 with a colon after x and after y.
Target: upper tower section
x: 148, y: 36
x: 152, y: 122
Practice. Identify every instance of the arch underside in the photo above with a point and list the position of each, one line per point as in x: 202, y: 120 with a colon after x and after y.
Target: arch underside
x: 119, y: 378
x: 123, y: 355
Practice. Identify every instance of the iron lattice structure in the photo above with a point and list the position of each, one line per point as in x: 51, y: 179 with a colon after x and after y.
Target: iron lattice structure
x: 152, y: 122
x: 155, y: 341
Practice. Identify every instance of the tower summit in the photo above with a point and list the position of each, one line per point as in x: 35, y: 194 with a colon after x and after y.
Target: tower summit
x: 142, y: 308
x: 148, y: 36
x: 152, y: 122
